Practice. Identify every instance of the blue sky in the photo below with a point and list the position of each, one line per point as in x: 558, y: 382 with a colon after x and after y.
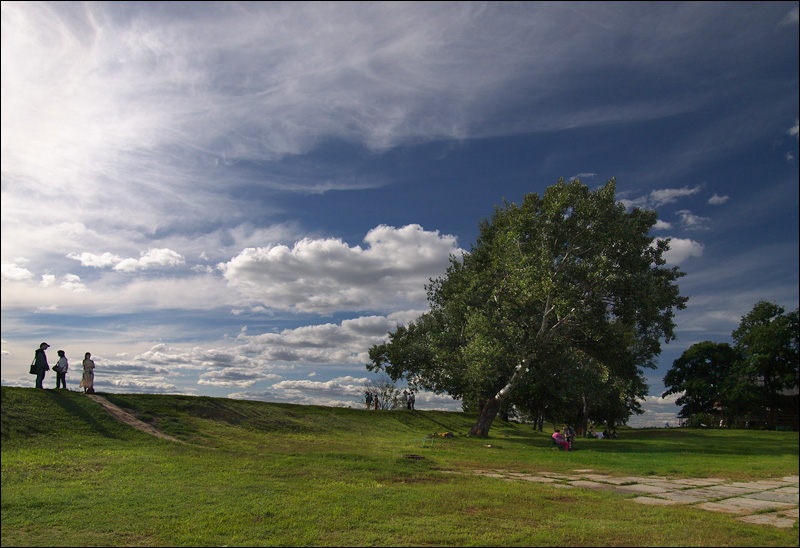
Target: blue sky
x: 239, y: 199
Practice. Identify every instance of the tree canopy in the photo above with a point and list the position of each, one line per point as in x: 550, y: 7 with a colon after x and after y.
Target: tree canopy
x: 750, y: 378
x: 571, y: 274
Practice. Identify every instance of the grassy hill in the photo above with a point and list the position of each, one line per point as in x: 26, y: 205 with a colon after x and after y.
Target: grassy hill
x: 255, y: 473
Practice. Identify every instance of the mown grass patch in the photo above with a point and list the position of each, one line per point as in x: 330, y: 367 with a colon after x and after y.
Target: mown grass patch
x: 274, y: 474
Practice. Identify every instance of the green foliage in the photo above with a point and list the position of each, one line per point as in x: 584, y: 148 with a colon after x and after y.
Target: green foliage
x: 703, y: 373
x: 748, y: 379
x: 568, y: 273
x: 767, y: 343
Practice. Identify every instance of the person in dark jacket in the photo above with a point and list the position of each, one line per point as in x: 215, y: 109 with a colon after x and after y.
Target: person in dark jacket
x: 40, y: 366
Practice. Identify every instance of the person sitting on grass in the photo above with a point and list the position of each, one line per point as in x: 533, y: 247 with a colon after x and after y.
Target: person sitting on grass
x: 559, y: 438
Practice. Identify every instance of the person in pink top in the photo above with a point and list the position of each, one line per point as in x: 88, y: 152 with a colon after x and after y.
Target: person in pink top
x: 560, y: 439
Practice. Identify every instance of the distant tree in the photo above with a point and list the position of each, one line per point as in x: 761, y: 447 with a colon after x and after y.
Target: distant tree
x: 569, y: 270
x: 704, y: 375
x: 767, y: 343
x: 387, y: 391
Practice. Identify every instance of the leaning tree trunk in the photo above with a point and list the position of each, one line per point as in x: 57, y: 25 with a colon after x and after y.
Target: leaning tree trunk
x: 486, y: 417
x: 492, y: 406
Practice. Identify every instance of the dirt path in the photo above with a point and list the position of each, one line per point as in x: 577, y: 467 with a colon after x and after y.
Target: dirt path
x: 123, y: 416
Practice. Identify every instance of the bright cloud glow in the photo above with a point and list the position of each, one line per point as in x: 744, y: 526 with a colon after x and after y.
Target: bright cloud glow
x: 231, y: 198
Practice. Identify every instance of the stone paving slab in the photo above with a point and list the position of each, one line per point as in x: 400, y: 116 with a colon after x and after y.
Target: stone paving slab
x: 793, y: 513
x: 740, y: 505
x: 759, y: 485
x: 645, y: 480
x: 763, y: 502
x: 683, y: 497
x: 592, y: 485
x: 719, y: 491
x: 641, y: 488
x: 777, y: 497
x: 653, y: 501
x: 537, y: 479
x: 703, y: 482
x: 768, y: 519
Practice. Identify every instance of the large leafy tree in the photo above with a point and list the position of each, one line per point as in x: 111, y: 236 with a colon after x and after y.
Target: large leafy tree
x: 749, y: 378
x: 767, y: 342
x: 569, y: 270
x: 703, y: 375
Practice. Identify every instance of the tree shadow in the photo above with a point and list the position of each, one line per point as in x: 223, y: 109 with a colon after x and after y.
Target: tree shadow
x: 71, y: 406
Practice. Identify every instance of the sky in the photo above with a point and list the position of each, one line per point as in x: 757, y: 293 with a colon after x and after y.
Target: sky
x: 240, y: 199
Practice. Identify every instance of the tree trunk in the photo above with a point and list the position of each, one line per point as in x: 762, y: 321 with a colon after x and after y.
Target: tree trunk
x: 493, y: 404
x: 585, y: 417
x: 486, y: 417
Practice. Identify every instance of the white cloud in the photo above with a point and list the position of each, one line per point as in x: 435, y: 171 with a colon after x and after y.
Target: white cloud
x: 682, y: 249
x: 150, y: 259
x: 13, y: 272
x: 343, y: 343
x: 326, y: 275
x: 73, y: 283
x: 98, y: 261
x: 690, y: 221
x: 795, y: 129
x: 665, y: 196
x: 662, y: 225
x: 581, y: 176
x: 716, y: 199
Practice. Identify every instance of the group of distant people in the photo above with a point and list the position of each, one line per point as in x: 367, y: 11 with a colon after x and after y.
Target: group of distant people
x: 564, y: 438
x: 372, y: 402
x: 605, y: 434
x: 39, y: 367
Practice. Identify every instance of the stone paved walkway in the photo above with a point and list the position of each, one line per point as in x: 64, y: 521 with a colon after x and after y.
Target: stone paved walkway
x: 765, y: 502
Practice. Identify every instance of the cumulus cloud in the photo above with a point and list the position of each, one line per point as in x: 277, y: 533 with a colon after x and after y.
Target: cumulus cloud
x: 150, y: 259
x: 73, y: 282
x: 326, y: 275
x: 235, y: 377
x: 662, y: 225
x: 681, y: 249
x: 13, y: 272
x: 343, y: 343
x: 98, y: 261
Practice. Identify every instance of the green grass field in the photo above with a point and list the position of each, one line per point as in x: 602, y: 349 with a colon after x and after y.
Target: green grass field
x: 253, y: 473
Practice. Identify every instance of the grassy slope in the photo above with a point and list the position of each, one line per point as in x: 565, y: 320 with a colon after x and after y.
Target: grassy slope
x: 280, y: 474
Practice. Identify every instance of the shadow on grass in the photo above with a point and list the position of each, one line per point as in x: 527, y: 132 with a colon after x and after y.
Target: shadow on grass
x: 733, y: 445
x: 71, y: 406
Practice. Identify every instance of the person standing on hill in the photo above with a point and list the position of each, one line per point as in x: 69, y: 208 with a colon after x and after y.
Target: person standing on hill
x: 39, y: 366
x: 61, y: 370
x: 412, y: 399
x: 87, y: 382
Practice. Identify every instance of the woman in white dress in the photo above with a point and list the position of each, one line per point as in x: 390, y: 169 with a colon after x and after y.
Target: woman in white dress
x: 87, y: 382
